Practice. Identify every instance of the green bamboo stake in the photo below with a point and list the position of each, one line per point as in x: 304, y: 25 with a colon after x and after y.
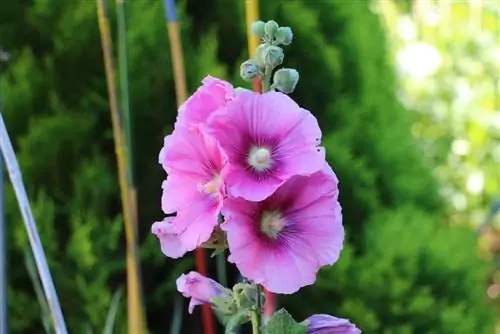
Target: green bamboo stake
x: 136, y: 319
x: 127, y: 121
x: 127, y: 125
x: 124, y: 89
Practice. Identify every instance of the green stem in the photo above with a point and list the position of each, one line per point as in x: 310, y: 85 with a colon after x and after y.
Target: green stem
x: 266, y: 80
x: 257, y: 312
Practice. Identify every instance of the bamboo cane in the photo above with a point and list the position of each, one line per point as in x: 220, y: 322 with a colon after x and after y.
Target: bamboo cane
x: 134, y: 306
x: 181, y: 96
x: 4, y: 56
x: 29, y: 221
x: 125, y: 106
x: 127, y: 117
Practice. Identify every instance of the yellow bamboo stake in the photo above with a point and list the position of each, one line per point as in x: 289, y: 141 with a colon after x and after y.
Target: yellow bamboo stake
x: 135, y: 309
x: 252, y: 15
x: 177, y: 62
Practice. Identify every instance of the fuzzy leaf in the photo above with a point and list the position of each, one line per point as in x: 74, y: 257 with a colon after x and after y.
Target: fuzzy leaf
x: 236, y: 320
x: 282, y: 322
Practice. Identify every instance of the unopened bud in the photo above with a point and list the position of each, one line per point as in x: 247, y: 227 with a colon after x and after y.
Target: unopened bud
x: 249, y: 70
x: 258, y: 29
x: 271, y: 27
x: 285, y: 80
x: 224, y: 304
x: 269, y: 55
x: 246, y: 295
x: 284, y: 35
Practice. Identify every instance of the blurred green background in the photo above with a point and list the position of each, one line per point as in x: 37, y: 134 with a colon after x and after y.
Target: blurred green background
x: 407, y: 94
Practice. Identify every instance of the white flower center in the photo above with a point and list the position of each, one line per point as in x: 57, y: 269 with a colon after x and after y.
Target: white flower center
x: 271, y: 223
x: 212, y: 186
x: 260, y: 158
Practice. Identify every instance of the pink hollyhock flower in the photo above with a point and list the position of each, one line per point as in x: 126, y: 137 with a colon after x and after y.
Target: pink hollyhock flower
x: 282, y: 241
x: 327, y: 324
x: 194, y: 187
x: 170, y: 244
x: 199, y: 288
x: 267, y: 138
x: 212, y: 95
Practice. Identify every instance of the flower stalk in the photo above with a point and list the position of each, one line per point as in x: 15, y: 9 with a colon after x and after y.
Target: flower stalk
x: 256, y: 316
x: 261, y: 197
x: 256, y: 322
x: 266, y: 80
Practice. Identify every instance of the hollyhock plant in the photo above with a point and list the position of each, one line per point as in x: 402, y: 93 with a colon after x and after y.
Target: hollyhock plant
x: 327, y: 324
x: 212, y: 95
x: 296, y: 230
x: 267, y: 138
x: 246, y: 173
x: 194, y: 187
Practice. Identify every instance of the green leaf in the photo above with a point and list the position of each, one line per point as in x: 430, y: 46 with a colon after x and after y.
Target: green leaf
x: 282, y: 322
x: 236, y: 320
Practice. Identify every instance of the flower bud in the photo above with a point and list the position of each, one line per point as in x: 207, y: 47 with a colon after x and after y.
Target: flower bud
x: 284, y: 35
x: 285, y: 80
x: 269, y: 55
x: 201, y: 289
x: 324, y: 323
x: 271, y: 27
x: 249, y: 70
x: 246, y: 294
x: 258, y: 29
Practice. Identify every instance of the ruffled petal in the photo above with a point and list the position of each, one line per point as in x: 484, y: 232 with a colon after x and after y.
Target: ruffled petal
x: 170, y: 243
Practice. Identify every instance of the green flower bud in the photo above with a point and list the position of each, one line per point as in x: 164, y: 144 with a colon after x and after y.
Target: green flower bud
x: 258, y: 29
x: 271, y: 27
x: 285, y: 80
x: 245, y: 295
x: 269, y: 55
x: 249, y: 70
x: 224, y: 304
x: 284, y: 35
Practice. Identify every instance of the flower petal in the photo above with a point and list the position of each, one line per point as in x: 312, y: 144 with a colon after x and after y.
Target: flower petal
x: 271, y: 122
x: 308, y: 232
x: 171, y: 246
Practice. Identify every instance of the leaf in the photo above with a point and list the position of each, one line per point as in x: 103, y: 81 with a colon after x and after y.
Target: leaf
x: 282, y: 322
x: 113, y: 309
x: 44, y: 306
x: 236, y: 320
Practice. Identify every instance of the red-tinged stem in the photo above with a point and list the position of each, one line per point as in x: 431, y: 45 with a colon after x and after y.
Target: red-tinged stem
x: 206, y: 312
x: 257, y: 85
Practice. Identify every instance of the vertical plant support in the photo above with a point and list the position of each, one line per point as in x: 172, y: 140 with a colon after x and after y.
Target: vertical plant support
x: 4, y: 316
x: 29, y: 222
x: 127, y: 128
x: 181, y: 96
x: 134, y: 306
x: 125, y: 105
x: 252, y: 15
